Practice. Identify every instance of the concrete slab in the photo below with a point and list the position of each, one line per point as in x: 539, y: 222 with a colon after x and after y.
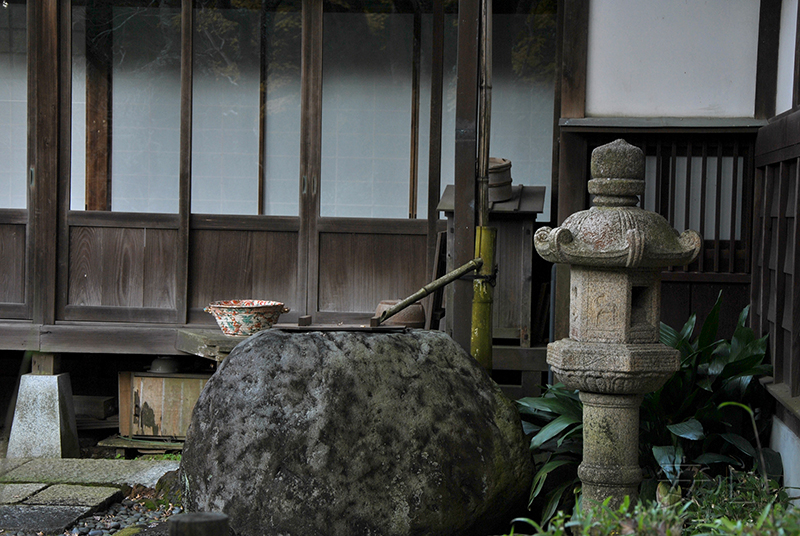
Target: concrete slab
x: 7, y: 464
x: 75, y: 495
x: 92, y: 472
x: 16, y: 493
x: 44, y: 419
x: 48, y: 520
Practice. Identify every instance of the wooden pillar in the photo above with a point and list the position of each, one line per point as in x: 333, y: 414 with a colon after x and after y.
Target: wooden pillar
x: 98, y: 104
x: 43, y: 152
x: 45, y: 364
x: 572, y: 163
x: 435, y: 151
x: 769, y: 25
x: 185, y: 170
x: 466, y: 150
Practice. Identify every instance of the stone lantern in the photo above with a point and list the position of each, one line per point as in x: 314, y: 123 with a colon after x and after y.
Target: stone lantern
x: 613, y: 356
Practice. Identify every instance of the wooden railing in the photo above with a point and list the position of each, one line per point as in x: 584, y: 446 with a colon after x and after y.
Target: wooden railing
x: 702, y: 181
x: 705, y: 183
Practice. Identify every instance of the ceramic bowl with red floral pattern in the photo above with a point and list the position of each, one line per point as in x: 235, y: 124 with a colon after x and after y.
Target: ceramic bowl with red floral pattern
x: 245, y: 317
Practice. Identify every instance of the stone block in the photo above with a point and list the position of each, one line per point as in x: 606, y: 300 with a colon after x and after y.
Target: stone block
x: 614, y: 306
x: 44, y: 419
x: 92, y: 472
x: 75, y: 495
x: 612, y: 368
x: 16, y: 493
x: 45, y: 520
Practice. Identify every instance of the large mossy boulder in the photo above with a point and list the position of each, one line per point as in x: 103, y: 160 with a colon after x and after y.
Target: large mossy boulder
x: 354, y: 434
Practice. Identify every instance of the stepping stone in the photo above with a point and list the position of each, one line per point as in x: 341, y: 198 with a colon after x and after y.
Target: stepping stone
x: 74, y: 495
x: 9, y: 464
x: 96, y: 472
x: 16, y: 493
x: 49, y: 520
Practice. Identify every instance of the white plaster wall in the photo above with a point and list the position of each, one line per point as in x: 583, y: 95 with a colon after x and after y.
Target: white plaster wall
x: 788, y: 32
x: 787, y: 443
x: 672, y: 58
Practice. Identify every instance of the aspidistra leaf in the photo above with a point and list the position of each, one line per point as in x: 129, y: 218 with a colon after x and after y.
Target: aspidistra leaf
x: 689, y: 429
x: 551, y: 430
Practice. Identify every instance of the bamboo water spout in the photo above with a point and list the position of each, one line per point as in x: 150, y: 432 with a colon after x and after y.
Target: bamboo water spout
x: 474, y: 264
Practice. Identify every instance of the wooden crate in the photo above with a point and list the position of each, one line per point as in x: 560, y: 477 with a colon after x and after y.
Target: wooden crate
x: 155, y: 405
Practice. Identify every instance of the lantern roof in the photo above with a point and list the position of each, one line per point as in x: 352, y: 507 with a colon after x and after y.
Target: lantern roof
x: 615, y: 232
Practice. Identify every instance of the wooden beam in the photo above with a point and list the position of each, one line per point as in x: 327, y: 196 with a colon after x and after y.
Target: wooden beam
x: 794, y: 297
x: 465, y: 164
x: 65, y: 154
x: 43, y: 61
x: 572, y: 181
x: 573, y: 60
x: 99, y: 66
x: 413, y: 172
x: 45, y: 364
x: 310, y: 154
x: 776, y: 339
x: 435, y: 151
x: 769, y: 24
x: 185, y: 170
x: 572, y: 175
x: 796, y: 85
x: 262, y: 104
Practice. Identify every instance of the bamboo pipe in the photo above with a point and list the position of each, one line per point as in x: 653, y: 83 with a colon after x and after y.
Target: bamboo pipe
x: 485, y: 112
x: 474, y: 264
x: 485, y: 237
x: 480, y: 344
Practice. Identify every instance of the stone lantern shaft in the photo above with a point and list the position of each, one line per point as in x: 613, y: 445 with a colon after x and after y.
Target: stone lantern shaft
x: 616, y: 251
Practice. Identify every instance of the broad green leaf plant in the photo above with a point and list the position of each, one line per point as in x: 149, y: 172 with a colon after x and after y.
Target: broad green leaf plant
x: 693, y: 423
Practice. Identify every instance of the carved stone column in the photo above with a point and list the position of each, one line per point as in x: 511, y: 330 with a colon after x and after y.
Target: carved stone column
x: 613, y: 356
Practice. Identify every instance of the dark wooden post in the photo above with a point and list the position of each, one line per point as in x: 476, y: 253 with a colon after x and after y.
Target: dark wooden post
x: 43, y: 146
x: 466, y: 151
x: 199, y: 524
x: 98, y: 104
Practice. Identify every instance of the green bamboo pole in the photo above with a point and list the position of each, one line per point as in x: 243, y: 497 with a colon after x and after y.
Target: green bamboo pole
x: 485, y: 237
x: 481, y: 336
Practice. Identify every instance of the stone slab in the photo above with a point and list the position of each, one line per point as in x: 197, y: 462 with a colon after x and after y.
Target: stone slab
x: 75, y: 495
x: 16, y: 493
x: 48, y: 520
x: 8, y: 464
x: 91, y: 472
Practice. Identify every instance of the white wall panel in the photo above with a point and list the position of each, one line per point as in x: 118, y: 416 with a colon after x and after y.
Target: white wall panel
x: 672, y: 58
x: 783, y: 97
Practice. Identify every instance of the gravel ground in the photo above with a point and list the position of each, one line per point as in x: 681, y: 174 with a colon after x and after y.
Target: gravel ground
x: 128, y: 513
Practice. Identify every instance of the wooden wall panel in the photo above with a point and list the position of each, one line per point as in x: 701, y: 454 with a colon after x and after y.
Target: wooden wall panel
x: 12, y: 263
x: 513, y: 296
x: 226, y: 264
x: 85, y: 267
x: 775, y: 294
x: 359, y: 270
x: 160, y: 264
x: 122, y: 267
